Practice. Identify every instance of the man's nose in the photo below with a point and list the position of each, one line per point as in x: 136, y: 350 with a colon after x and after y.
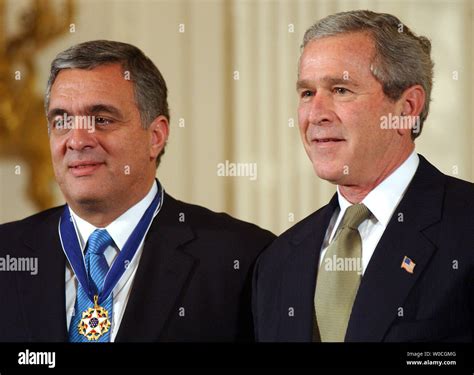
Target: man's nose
x: 79, y: 139
x: 321, y: 109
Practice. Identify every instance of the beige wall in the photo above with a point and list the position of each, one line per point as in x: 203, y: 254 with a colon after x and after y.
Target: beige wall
x: 249, y: 120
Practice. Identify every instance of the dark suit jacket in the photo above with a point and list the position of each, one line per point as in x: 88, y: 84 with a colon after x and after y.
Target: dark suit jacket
x: 190, y: 264
x: 435, y: 303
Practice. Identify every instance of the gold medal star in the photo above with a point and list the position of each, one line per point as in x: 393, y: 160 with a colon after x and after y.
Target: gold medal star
x: 94, y: 323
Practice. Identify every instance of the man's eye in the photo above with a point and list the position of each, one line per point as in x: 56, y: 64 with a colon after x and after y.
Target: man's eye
x: 306, y: 94
x: 341, y: 90
x: 102, y: 121
x: 58, y: 123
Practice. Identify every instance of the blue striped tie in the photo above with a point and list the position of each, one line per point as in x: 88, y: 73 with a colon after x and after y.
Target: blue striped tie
x: 97, y: 268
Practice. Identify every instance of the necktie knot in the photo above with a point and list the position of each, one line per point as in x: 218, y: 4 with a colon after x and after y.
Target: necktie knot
x: 354, y: 216
x: 99, y: 240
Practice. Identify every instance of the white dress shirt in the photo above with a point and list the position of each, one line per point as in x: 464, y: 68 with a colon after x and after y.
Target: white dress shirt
x: 382, y: 202
x: 120, y: 229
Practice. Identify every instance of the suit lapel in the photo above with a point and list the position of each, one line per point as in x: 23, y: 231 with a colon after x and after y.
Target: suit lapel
x: 42, y: 296
x: 299, y: 278
x: 162, y: 274
x: 385, y: 284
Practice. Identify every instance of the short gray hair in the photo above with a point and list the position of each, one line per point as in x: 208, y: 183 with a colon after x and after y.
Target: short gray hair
x: 149, y: 86
x: 402, y: 59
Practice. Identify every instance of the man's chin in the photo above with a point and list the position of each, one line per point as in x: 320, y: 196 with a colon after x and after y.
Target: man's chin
x: 85, y: 201
x: 85, y: 197
x: 333, y: 175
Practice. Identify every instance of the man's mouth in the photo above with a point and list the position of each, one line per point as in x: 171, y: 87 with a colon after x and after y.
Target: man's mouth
x: 84, y: 168
x: 327, y: 140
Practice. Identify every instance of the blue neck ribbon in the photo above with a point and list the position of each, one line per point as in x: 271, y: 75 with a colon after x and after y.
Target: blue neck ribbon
x: 73, y: 252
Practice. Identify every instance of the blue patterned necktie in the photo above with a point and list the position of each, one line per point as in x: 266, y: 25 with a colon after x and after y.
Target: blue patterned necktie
x: 97, y: 268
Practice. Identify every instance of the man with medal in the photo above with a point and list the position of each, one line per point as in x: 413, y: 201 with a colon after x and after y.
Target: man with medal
x: 122, y: 260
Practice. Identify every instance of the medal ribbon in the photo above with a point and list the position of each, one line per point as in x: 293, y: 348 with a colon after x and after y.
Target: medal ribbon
x: 73, y: 252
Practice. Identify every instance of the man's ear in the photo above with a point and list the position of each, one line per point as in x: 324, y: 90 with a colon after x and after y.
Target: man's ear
x: 159, y: 131
x: 412, y: 103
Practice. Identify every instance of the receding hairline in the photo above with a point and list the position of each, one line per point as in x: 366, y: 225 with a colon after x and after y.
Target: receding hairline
x: 120, y: 64
x: 367, y: 33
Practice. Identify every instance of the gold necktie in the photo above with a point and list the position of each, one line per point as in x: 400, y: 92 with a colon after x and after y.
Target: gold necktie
x: 339, y: 277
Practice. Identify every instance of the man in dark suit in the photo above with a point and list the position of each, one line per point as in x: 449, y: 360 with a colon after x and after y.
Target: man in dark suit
x: 391, y: 257
x: 123, y: 260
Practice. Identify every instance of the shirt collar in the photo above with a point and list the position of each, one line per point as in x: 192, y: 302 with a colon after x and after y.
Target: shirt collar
x: 122, y: 227
x: 384, y: 198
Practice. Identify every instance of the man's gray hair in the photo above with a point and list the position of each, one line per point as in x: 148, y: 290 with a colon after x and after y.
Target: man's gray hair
x: 402, y: 59
x: 149, y: 86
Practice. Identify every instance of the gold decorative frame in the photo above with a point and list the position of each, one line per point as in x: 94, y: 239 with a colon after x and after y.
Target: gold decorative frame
x: 23, y: 127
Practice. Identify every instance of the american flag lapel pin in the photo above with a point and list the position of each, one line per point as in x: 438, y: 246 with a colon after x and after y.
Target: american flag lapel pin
x: 408, y: 265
